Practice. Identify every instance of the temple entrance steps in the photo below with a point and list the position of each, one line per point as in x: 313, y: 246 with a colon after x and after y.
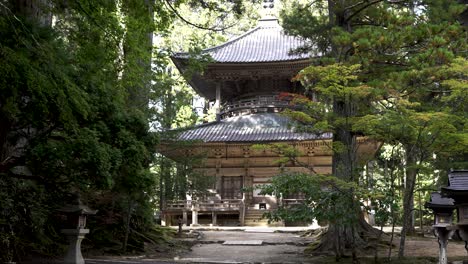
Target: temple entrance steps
x: 254, y: 217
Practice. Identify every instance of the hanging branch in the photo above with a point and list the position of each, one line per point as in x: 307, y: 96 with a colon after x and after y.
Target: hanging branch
x: 193, y: 24
x: 365, y: 4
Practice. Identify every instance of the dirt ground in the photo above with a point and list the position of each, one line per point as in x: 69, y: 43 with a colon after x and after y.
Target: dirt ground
x: 429, y: 247
x: 288, y: 248
x: 277, y: 247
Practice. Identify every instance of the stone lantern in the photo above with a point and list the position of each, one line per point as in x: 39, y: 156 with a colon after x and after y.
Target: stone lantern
x: 75, y: 231
x: 458, y: 191
x: 443, y: 210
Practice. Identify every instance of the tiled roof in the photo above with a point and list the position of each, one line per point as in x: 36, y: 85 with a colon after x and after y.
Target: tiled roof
x: 264, y: 127
x: 265, y: 43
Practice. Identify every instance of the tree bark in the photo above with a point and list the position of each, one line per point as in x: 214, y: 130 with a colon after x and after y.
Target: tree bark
x: 137, y: 66
x: 408, y: 196
x: 127, y: 225
x: 346, y: 238
x: 37, y: 11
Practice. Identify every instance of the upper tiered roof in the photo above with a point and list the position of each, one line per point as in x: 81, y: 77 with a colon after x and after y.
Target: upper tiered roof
x: 265, y: 43
x: 265, y: 52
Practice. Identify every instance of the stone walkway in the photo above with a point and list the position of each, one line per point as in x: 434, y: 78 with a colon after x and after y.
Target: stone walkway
x: 269, y: 247
x: 263, y: 245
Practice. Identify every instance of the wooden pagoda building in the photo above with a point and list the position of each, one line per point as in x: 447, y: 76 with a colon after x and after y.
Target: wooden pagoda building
x: 244, y: 81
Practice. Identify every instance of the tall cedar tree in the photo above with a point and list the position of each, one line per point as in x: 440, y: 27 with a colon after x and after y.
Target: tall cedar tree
x: 375, y: 56
x: 67, y: 124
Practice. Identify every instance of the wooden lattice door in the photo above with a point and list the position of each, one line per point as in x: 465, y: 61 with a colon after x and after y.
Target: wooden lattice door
x: 232, y: 187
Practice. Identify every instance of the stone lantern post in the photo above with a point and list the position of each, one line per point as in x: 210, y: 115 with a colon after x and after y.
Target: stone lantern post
x: 195, y: 209
x: 75, y: 230
x: 443, y: 211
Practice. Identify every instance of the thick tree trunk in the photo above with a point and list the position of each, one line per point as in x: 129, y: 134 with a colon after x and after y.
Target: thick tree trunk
x: 348, y: 240
x: 5, y: 151
x: 137, y: 68
x: 127, y: 225
x: 408, y: 196
x: 346, y: 237
x: 37, y: 11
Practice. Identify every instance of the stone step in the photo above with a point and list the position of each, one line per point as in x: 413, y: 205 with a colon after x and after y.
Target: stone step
x: 243, y: 242
x: 263, y: 224
x: 255, y: 220
x: 254, y: 217
x: 256, y: 212
x: 256, y: 224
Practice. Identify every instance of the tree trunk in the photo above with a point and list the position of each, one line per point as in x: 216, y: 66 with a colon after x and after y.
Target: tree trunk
x: 411, y: 173
x: 343, y: 167
x: 5, y: 150
x: 346, y: 237
x: 127, y: 225
x: 344, y: 240
x: 137, y: 68
x: 37, y: 11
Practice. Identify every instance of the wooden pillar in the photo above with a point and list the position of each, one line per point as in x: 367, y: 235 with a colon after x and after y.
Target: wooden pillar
x: 219, y: 179
x: 194, y: 218
x: 246, y: 179
x: 242, y: 213
x: 184, y: 217
x: 218, y: 101
x: 213, y: 218
x: 194, y: 214
x: 164, y: 219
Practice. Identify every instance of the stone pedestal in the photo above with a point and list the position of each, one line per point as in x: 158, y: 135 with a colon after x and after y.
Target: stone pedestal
x: 443, y: 233
x: 194, y: 214
x: 463, y: 232
x: 74, y: 236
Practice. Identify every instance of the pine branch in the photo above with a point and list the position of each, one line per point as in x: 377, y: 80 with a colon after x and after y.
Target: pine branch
x: 93, y: 20
x: 193, y: 24
x: 361, y: 9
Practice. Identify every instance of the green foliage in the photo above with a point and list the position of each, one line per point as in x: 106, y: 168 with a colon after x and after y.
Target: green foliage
x: 69, y: 123
x: 392, y: 71
x: 327, y: 198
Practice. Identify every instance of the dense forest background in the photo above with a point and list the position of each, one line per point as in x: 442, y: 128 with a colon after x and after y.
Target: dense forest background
x: 87, y: 86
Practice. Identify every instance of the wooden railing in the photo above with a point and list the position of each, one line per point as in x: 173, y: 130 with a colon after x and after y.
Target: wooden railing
x: 178, y: 205
x: 291, y: 202
x: 256, y: 102
x: 213, y: 205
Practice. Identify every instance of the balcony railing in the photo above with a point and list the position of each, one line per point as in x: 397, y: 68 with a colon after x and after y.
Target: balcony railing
x: 292, y: 202
x: 255, y: 102
x: 218, y: 205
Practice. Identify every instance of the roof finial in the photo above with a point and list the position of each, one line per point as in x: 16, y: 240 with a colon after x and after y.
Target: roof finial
x: 268, y: 5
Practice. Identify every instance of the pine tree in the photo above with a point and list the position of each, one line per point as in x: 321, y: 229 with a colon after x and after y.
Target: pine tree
x: 372, y: 57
